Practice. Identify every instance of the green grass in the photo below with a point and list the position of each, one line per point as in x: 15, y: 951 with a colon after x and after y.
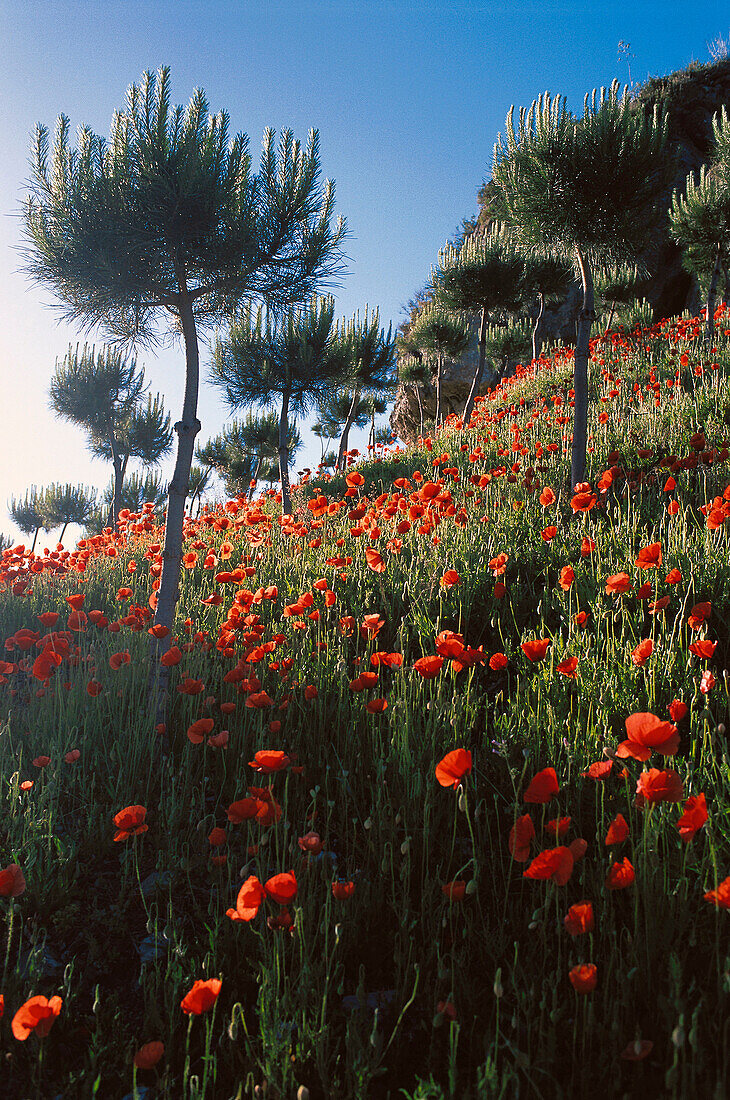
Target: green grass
x: 346, y: 1003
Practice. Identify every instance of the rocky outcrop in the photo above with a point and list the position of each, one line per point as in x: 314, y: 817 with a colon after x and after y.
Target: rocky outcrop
x: 690, y: 97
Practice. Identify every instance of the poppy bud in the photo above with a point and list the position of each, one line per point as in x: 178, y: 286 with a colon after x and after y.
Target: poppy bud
x: 498, y: 987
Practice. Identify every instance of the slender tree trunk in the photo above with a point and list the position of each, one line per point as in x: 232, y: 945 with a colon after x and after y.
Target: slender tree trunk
x: 35, y: 539
x: 439, y: 371
x: 186, y: 429
x: 420, y: 406
x: 580, y: 377
x: 116, y: 505
x: 341, y: 460
x: 536, y: 341
x: 610, y: 316
x: 371, y: 437
x: 63, y: 531
x: 711, y: 295
x: 477, y: 379
x: 284, y: 453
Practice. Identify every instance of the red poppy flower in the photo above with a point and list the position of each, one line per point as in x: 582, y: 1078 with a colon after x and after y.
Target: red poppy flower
x: 49, y: 618
x: 584, y: 977
x: 673, y: 576
x: 600, y: 770
x: 72, y: 756
x: 94, y: 688
x: 677, y: 710
x: 555, y: 863
x: 376, y: 706
x: 567, y: 576
x: 118, y: 659
x: 450, y: 578
x: 269, y: 760
x: 547, y: 497
x: 618, y: 830
x: 201, y: 997
x: 341, y: 891
x: 520, y: 836
x: 250, y: 898
x: 282, y: 888
x: 642, y: 652
x: 620, y: 875
x: 172, y: 657
x: 568, y: 667
x: 200, y: 730
x: 649, y: 556
x: 374, y: 561
x: 646, y: 734
x: 77, y: 601
x: 498, y: 661
x: 259, y: 700
x: 428, y: 667
x: 617, y: 584
x: 37, y: 1015
x: 243, y: 810
x: 454, y: 766
x: 543, y: 787
x: 12, y: 881
x: 548, y: 533
x: 535, y: 649
x: 580, y: 919
x: 149, y: 1055
x: 656, y: 785
x: 584, y: 499
x: 721, y: 896
x: 130, y: 822
x: 311, y: 843
x: 41, y: 761
x: 455, y: 891
x: 703, y: 649
x: 693, y: 818
x: 707, y: 682
x: 698, y: 615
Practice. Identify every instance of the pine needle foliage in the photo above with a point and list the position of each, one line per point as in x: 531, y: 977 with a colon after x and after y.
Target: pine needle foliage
x: 700, y: 218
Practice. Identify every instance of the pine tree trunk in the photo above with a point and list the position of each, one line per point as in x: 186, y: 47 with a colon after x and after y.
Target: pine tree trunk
x: 439, y: 369
x: 35, y: 539
x: 580, y: 377
x: 610, y: 316
x: 477, y: 379
x: 371, y: 437
x: 63, y: 531
x: 536, y: 341
x: 341, y: 460
x: 284, y: 454
x: 711, y: 295
x: 186, y: 429
x: 116, y: 505
x: 420, y: 406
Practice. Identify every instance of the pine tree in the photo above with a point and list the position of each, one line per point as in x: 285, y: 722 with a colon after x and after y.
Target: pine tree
x: 64, y: 504
x: 296, y: 358
x: 371, y: 366
x: 439, y: 335
x: 484, y: 276
x: 584, y: 190
x: 164, y: 227
x: 700, y: 219
x: 29, y: 514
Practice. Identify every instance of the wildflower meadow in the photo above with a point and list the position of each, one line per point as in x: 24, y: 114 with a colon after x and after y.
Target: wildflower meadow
x: 439, y: 801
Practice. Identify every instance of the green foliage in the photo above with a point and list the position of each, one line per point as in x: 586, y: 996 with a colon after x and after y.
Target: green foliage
x: 29, y: 512
x: 485, y: 274
x: 265, y: 356
x: 64, y: 504
x: 174, y: 194
x: 438, y: 334
x: 589, y: 182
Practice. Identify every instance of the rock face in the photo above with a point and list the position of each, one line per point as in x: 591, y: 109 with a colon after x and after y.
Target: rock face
x: 690, y: 98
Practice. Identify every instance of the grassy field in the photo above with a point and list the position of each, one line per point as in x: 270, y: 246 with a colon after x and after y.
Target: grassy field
x: 442, y: 804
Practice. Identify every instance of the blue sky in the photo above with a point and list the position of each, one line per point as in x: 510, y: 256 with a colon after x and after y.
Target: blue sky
x: 408, y: 98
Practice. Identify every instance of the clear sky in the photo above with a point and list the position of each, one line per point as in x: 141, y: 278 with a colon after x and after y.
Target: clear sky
x: 408, y: 96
